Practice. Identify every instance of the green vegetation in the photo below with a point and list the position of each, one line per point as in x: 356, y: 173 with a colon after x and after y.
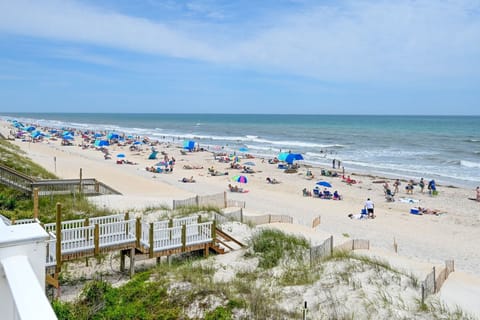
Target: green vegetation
x: 12, y: 156
x: 16, y: 205
x: 273, y: 245
x: 346, y: 286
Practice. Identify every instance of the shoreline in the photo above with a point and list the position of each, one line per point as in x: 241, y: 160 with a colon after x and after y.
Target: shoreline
x: 318, y: 155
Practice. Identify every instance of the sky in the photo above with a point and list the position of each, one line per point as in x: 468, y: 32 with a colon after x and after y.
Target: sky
x: 237, y: 56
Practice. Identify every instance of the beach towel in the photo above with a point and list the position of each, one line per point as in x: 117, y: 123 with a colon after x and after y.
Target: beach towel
x: 408, y: 200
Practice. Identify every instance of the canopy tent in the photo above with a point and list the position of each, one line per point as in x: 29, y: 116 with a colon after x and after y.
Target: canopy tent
x: 189, y: 145
x: 113, y: 135
x: 289, y: 157
x: 101, y: 143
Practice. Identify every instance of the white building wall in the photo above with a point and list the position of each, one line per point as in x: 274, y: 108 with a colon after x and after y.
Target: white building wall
x: 22, y: 272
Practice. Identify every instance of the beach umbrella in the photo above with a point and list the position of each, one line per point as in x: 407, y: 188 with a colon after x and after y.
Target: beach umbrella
x: 67, y: 137
x: 121, y: 155
x: 324, y: 184
x: 243, y: 149
x: 240, y: 179
x: 250, y: 163
x: 113, y: 135
x: 292, y: 157
x: 138, y: 142
x: 31, y: 128
x: 101, y: 143
x: 189, y: 145
x: 97, y: 135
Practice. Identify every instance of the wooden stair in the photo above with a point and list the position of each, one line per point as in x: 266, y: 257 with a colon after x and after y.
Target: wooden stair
x: 223, y: 242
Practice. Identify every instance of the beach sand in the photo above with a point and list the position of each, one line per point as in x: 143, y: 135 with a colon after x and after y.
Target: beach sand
x: 430, y: 239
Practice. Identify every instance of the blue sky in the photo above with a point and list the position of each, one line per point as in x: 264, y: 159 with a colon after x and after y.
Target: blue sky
x: 325, y: 57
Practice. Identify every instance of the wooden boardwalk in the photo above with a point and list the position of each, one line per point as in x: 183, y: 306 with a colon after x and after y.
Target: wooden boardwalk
x: 27, y: 184
x: 83, y: 238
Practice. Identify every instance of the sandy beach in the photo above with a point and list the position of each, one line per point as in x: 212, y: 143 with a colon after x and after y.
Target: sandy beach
x: 429, y: 239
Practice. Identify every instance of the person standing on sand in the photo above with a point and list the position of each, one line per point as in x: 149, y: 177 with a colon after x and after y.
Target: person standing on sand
x: 396, y: 184
x: 369, y: 206
x: 478, y: 194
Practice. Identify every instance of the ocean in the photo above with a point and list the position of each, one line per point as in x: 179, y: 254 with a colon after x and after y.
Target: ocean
x: 444, y: 148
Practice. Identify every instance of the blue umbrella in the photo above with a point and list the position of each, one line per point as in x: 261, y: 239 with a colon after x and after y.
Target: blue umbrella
x: 67, y: 137
x: 113, y: 135
x: 137, y: 142
x: 324, y: 184
x: 292, y: 157
x: 121, y: 155
x: 101, y: 143
x: 243, y: 149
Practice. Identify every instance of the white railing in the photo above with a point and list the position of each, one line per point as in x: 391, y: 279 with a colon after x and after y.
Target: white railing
x: 26, y: 221
x: 51, y: 251
x: 157, y: 225
x: 107, y: 219
x: 69, y: 224
x: 78, y: 239
x: 185, y: 220
x: 199, y: 233
x: 116, y: 233
x: 144, y: 238
x: 167, y: 238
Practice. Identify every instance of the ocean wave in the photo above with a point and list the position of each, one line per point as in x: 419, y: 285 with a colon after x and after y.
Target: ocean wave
x: 469, y: 164
x: 472, y: 140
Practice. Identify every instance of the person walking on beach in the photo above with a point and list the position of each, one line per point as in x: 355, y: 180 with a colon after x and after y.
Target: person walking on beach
x: 478, y: 194
x: 396, y: 184
x: 421, y: 184
x: 369, y: 206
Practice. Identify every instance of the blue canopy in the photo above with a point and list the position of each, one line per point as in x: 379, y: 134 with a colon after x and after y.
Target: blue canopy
x: 101, y: 143
x: 31, y: 128
x: 96, y: 135
x: 289, y: 157
x: 36, y: 134
x: 67, y: 137
x: 113, y: 135
x: 189, y: 145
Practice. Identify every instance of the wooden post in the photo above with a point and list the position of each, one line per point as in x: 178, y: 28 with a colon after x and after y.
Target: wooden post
x: 196, y: 200
x: 80, y: 185
x: 132, y: 262
x: 205, y: 252
x: 434, y: 281
x: 122, y: 261
x: 35, y: 203
x: 150, y: 238
x: 199, y: 220
x: 58, y: 231
x: 96, y: 239
x: 214, y: 231
x: 331, y: 245
x: 127, y: 217
x: 138, y: 231
x: 184, y: 238
x: 97, y: 187
x: 225, y: 202
x: 241, y: 215
x: 395, y: 246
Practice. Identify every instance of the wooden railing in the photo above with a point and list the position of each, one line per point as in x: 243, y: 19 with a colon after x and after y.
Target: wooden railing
x: 27, y: 184
x: 15, y: 179
x: 91, y: 235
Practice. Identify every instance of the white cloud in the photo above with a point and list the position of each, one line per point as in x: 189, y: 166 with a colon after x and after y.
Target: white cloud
x: 353, y: 40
